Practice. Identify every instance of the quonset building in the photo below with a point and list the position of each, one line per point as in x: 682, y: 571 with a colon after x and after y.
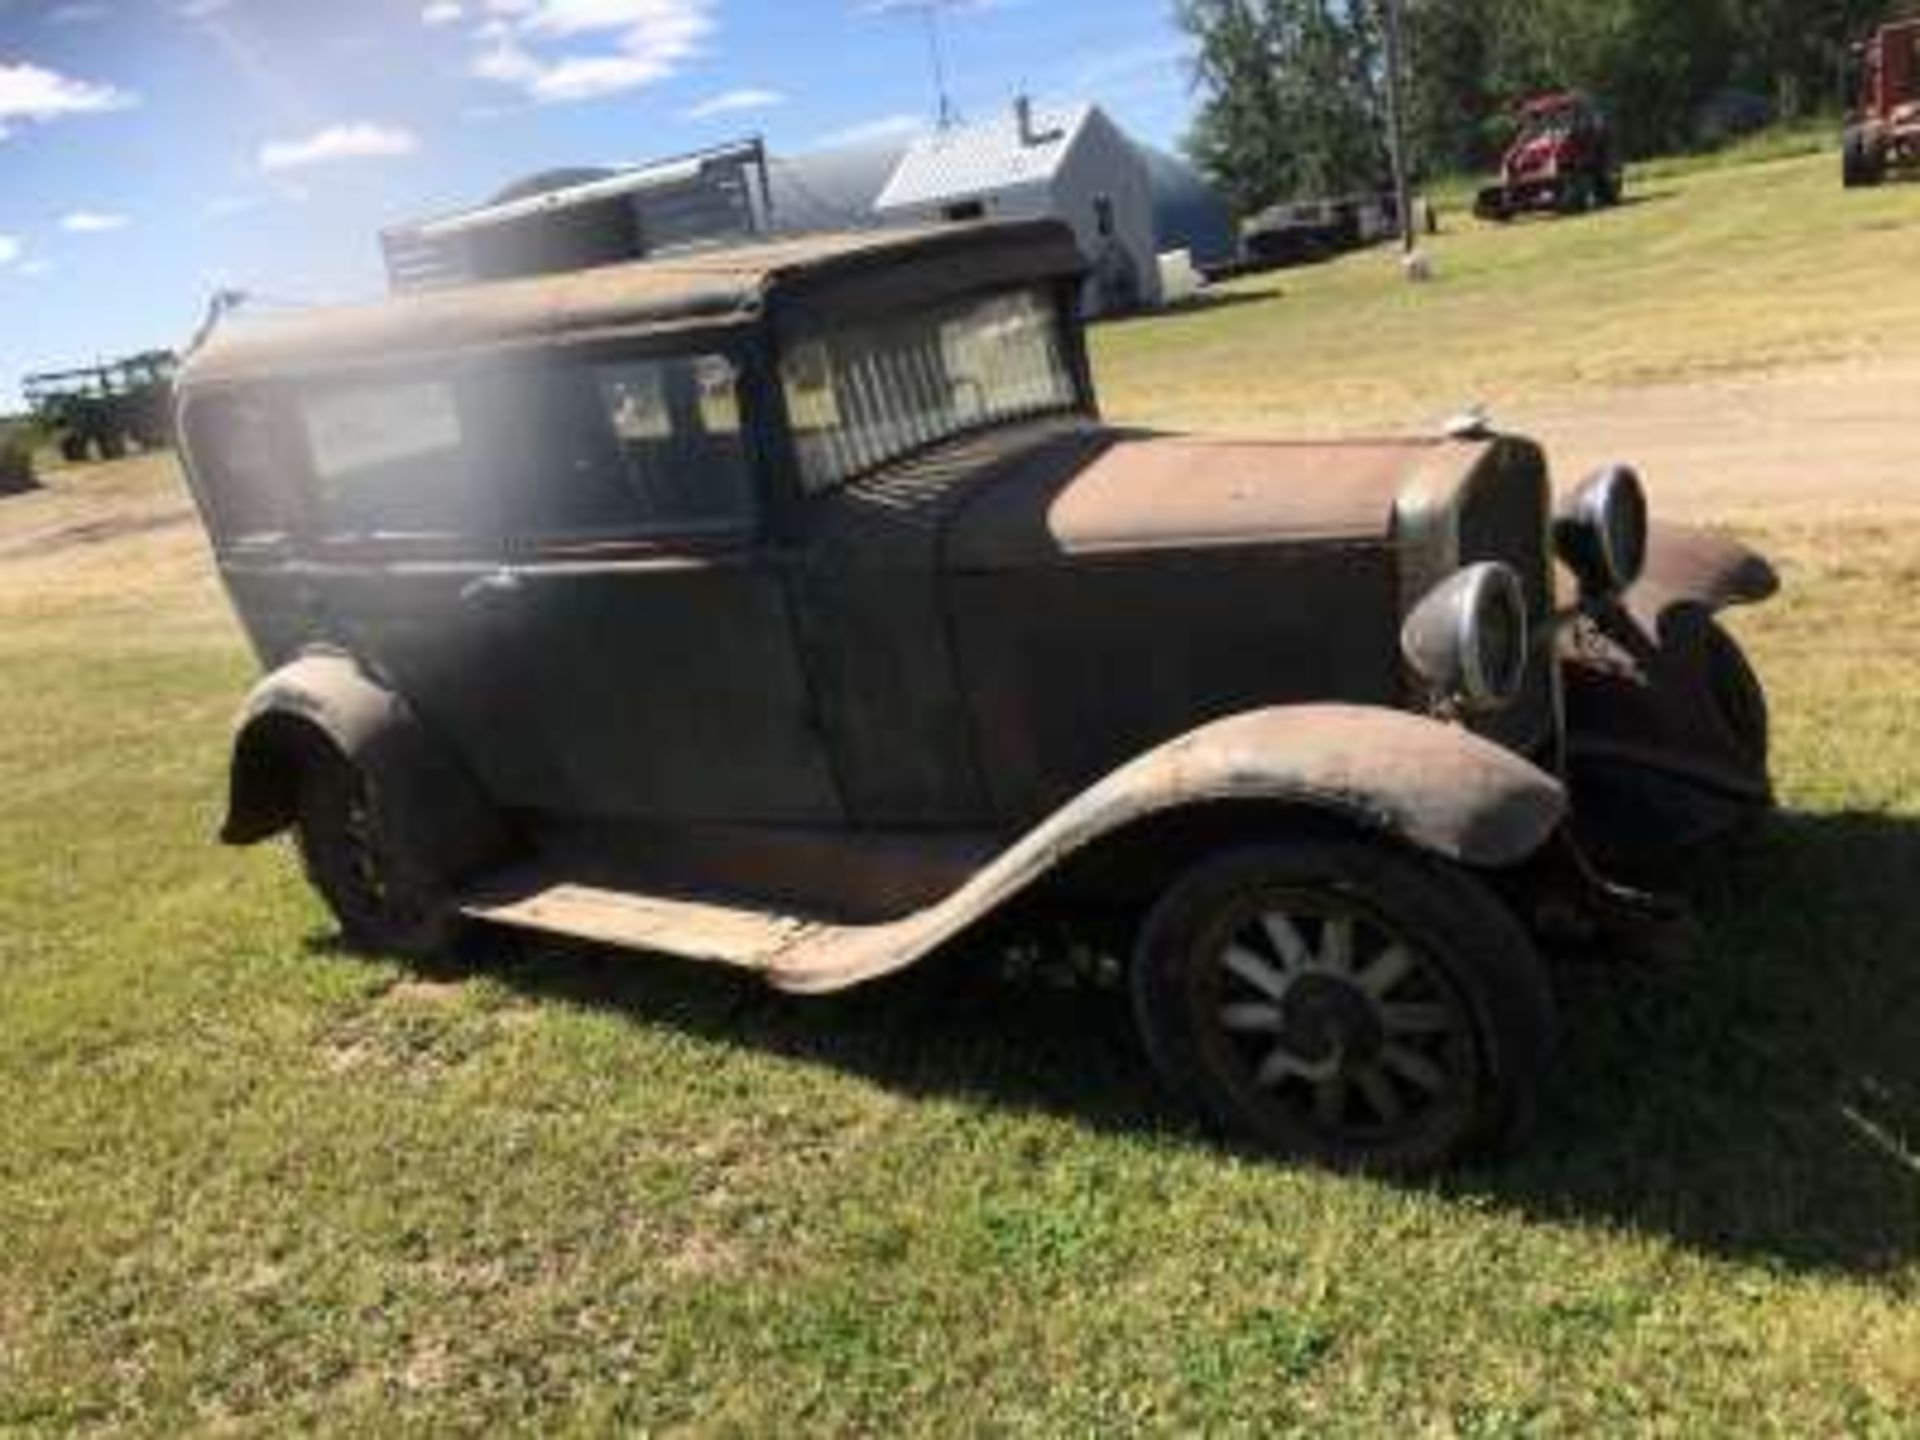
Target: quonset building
x: 1127, y: 203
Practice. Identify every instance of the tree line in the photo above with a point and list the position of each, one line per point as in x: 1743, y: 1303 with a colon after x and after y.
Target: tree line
x: 1293, y: 92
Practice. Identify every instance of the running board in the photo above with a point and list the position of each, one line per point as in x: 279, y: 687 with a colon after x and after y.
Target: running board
x: 804, y: 954
x: 689, y: 929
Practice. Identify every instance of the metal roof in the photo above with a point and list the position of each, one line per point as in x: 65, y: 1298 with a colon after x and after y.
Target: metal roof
x: 693, y: 290
x: 990, y: 155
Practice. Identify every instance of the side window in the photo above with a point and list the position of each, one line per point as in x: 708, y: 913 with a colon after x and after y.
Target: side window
x: 640, y: 447
x: 388, y: 460
x: 231, y: 438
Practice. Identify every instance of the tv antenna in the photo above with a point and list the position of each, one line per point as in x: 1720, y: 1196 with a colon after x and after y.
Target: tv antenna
x: 947, y: 114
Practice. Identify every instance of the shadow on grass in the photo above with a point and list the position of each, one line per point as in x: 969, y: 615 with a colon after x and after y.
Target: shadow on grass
x: 1761, y: 1100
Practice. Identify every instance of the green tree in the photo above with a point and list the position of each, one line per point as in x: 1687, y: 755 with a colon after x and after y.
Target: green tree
x: 1292, y: 100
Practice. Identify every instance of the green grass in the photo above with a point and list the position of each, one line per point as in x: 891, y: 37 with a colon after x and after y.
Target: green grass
x: 247, y: 1181
x: 1734, y: 269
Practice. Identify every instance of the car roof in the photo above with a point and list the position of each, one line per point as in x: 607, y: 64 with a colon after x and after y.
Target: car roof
x: 702, y: 290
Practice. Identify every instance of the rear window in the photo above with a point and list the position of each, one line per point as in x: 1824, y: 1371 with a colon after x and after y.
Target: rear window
x: 231, y: 440
x: 388, y: 459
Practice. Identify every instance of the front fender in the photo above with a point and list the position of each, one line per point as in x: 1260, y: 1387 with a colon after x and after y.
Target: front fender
x: 1698, y: 569
x: 1440, y: 789
x: 1666, y: 723
x: 324, y: 701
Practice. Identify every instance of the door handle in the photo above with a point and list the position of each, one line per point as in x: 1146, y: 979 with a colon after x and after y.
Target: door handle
x: 497, y: 586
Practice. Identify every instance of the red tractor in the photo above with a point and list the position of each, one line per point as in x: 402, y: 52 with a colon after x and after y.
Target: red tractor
x: 1563, y: 160
x: 1883, y: 125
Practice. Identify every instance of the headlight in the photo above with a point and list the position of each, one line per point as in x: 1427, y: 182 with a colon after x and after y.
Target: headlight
x: 1601, y: 531
x: 1468, y: 640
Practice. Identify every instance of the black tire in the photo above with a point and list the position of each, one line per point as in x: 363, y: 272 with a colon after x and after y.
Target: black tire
x: 1471, y: 1004
x: 1611, y: 188
x: 73, y: 449
x: 383, y: 902
x: 1578, y: 197
x: 1862, y: 163
x: 113, y: 446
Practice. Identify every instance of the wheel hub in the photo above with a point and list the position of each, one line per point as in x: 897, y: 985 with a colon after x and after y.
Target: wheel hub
x: 1328, y: 1020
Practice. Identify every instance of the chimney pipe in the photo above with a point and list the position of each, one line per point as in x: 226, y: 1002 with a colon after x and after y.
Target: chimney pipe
x: 1023, y: 114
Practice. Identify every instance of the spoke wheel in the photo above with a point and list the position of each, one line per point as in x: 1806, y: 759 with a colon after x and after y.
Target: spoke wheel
x: 1347, y: 1002
x: 382, y: 902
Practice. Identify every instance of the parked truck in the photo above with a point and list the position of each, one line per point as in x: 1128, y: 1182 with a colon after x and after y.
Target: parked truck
x: 1563, y: 160
x: 102, y: 410
x: 1883, y: 118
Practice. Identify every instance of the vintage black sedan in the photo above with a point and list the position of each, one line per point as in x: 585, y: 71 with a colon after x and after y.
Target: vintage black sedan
x: 790, y: 607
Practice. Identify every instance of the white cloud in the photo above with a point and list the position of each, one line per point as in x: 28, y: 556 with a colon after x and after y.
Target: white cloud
x: 77, y: 12
x: 33, y: 92
x: 92, y: 222
x: 733, y: 102
x: 201, y: 9
x: 34, y: 269
x: 360, y: 141
x: 9, y: 249
x: 887, y: 127
x: 442, y: 12
x: 632, y: 43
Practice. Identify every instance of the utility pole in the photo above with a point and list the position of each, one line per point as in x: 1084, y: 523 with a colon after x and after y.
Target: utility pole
x: 1393, y: 23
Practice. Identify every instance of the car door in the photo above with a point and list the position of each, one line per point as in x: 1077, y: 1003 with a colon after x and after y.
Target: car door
x: 404, y: 558
x: 648, y: 610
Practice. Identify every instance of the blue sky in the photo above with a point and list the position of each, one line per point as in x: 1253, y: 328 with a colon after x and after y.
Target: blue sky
x: 153, y: 150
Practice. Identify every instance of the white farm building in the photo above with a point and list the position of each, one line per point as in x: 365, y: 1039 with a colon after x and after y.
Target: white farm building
x: 1127, y: 203
x: 1074, y: 165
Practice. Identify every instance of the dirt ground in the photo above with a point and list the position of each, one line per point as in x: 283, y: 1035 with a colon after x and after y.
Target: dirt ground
x: 1786, y: 444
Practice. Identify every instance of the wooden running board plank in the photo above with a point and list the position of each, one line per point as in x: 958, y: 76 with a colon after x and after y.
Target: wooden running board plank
x: 667, y: 925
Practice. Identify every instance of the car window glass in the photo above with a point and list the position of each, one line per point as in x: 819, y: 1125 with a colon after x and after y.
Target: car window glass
x: 388, y: 459
x: 870, y: 393
x: 231, y: 438
x: 630, y: 447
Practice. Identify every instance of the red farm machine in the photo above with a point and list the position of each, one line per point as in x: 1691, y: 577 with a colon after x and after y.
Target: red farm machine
x: 1563, y: 161
x: 1883, y: 119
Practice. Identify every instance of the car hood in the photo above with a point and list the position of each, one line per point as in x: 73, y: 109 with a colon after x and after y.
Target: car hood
x: 1094, y: 491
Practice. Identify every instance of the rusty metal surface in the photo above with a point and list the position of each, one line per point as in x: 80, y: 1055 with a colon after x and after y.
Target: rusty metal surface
x: 1439, y: 789
x: 704, y: 290
x: 1666, y: 727
x: 1690, y: 566
x: 1143, y: 493
x: 726, y: 933
x: 858, y: 876
x: 1073, y: 668
x: 871, y: 606
x: 440, y: 815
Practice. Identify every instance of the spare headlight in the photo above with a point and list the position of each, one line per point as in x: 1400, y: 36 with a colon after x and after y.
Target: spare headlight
x: 1601, y: 531
x: 1468, y: 640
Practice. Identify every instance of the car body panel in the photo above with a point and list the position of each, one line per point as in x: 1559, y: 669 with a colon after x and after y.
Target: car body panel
x: 1414, y: 781
x: 444, y: 818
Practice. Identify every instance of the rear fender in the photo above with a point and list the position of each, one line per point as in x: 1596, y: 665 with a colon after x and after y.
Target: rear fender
x: 1439, y: 789
x: 324, y: 702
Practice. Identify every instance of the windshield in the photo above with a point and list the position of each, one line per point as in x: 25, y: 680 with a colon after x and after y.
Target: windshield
x: 866, y: 394
x: 1550, y: 124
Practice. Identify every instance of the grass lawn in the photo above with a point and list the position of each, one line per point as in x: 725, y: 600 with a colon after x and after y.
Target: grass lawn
x: 249, y: 1181
x: 1724, y: 270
